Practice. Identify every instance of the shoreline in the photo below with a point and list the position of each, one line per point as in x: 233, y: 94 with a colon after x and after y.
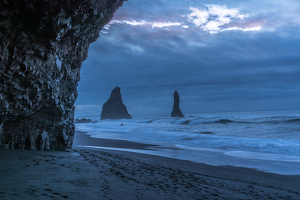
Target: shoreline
x: 213, y: 157
x: 82, y: 139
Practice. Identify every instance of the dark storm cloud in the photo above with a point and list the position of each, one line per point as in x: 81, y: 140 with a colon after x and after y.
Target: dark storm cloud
x: 221, y: 66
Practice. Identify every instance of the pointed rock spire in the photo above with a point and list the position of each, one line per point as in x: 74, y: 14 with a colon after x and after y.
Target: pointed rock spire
x: 114, y: 108
x: 176, y: 112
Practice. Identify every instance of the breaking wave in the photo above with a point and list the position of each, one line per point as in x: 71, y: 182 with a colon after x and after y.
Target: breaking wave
x: 266, y: 132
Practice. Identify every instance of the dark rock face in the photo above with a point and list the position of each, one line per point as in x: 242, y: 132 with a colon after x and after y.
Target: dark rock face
x: 114, y: 108
x: 176, y: 112
x: 42, y: 46
x: 83, y: 120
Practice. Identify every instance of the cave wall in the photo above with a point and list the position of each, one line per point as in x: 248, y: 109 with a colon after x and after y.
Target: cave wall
x: 42, y: 46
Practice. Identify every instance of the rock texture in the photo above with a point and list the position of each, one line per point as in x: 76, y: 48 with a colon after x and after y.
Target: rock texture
x: 42, y: 46
x: 176, y: 112
x: 114, y: 108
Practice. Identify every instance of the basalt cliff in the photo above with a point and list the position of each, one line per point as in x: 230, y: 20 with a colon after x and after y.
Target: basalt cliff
x: 42, y: 46
x: 114, y: 108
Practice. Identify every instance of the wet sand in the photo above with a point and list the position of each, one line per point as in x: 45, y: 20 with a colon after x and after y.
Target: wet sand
x: 87, y: 173
x: 83, y: 139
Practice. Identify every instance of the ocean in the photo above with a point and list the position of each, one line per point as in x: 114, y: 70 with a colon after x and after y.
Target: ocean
x: 265, y: 140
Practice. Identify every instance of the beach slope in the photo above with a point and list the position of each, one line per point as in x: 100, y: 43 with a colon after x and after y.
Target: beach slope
x: 86, y: 173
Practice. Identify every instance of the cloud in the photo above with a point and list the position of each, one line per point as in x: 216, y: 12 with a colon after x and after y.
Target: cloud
x: 142, y: 23
x: 165, y: 24
x: 231, y: 70
x: 256, y: 28
x: 213, y: 17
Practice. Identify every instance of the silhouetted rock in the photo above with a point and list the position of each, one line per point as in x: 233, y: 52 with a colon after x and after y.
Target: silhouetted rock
x: 42, y: 46
x: 114, y: 108
x: 176, y: 112
x: 83, y: 120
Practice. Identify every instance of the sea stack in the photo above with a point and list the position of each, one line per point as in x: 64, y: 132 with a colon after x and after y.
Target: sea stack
x: 42, y: 46
x: 114, y: 108
x: 176, y: 112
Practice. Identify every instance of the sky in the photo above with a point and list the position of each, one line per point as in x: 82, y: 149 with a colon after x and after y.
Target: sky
x: 220, y: 55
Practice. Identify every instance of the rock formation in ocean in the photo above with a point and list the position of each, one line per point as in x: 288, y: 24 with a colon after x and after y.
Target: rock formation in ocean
x: 114, y: 108
x: 83, y: 120
x: 42, y: 46
x: 176, y: 112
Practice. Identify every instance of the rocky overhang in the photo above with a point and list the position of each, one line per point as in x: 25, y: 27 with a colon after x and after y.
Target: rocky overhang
x: 42, y: 46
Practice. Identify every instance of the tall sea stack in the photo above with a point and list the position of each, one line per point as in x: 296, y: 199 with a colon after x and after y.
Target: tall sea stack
x: 42, y: 46
x: 114, y: 108
x: 176, y: 112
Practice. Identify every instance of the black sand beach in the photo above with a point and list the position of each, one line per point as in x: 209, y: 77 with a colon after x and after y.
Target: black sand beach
x: 86, y: 173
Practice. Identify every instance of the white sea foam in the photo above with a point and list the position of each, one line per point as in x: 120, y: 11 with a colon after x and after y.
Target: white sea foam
x: 251, y: 135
